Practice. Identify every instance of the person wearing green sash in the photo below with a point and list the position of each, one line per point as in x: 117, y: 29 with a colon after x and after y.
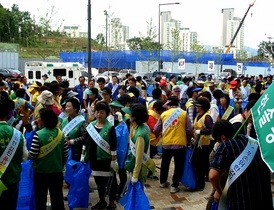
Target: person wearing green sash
x: 49, y: 152
x: 10, y: 169
x: 76, y: 137
x: 139, y: 143
x: 101, y: 146
x: 226, y: 112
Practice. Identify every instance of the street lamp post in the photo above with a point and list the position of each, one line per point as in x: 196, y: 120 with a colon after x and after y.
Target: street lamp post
x: 159, y: 32
x: 89, y: 39
x: 106, y: 14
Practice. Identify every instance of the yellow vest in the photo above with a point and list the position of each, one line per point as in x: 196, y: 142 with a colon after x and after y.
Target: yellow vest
x: 153, y: 140
x: 23, y: 111
x: 175, y: 134
x: 199, y: 125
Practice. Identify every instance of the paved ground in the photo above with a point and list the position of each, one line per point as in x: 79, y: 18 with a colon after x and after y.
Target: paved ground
x: 160, y: 198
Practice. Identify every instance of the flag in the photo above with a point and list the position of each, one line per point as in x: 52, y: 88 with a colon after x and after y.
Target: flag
x: 263, y: 119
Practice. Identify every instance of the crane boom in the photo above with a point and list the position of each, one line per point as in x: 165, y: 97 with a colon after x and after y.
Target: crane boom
x: 238, y: 29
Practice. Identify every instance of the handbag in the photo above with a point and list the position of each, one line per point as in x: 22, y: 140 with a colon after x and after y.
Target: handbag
x: 188, y: 177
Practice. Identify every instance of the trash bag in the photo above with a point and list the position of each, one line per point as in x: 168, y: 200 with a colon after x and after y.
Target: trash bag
x: 78, y: 195
x: 188, y: 176
x: 29, y: 136
x: 26, y: 200
x: 135, y: 198
x: 214, y: 206
x: 122, y: 143
x: 69, y: 167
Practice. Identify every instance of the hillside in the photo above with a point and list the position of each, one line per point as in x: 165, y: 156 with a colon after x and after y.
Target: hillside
x: 52, y: 46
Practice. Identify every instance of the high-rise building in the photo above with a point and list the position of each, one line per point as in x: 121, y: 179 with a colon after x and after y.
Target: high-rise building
x: 169, y: 28
x: 119, y: 35
x: 230, y: 26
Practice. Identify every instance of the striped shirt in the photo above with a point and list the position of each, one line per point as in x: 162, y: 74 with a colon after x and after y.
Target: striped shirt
x: 252, y: 189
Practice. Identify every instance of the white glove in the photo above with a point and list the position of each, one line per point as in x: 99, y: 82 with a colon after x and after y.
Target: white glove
x: 119, y: 116
x: 197, y: 132
x: 114, y: 165
x: 34, y: 125
x: 134, y: 181
x: 82, y: 158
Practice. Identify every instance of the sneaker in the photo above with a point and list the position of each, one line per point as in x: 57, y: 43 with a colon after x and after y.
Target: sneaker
x: 111, y: 206
x: 100, y: 205
x: 165, y: 184
x: 174, y: 190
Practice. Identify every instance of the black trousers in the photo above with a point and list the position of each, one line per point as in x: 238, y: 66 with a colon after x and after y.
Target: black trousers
x: 179, y: 156
x: 52, y: 182
x: 123, y: 181
x: 201, y: 164
x: 8, y: 199
x: 106, y: 186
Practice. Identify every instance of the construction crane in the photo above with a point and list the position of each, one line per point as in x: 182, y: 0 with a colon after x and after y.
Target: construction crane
x: 238, y: 29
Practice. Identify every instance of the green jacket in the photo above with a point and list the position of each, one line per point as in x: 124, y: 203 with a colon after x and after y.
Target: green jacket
x: 52, y: 162
x: 12, y: 173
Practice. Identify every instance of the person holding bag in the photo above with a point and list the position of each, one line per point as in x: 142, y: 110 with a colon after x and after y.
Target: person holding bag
x: 49, y: 152
x: 10, y: 162
x: 101, y: 146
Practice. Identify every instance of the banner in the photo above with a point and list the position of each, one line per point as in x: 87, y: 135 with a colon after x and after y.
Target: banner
x: 262, y: 114
x: 181, y: 63
x: 239, y: 68
x: 210, y: 65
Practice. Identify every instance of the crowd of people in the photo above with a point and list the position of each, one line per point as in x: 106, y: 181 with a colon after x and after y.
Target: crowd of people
x: 120, y: 131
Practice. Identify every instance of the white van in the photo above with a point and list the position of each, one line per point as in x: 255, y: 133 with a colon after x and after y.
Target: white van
x: 70, y: 71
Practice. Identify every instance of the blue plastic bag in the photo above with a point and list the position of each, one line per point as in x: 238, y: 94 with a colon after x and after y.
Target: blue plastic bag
x: 188, y: 177
x: 69, y: 167
x: 29, y: 137
x: 214, y: 206
x: 26, y: 200
x: 78, y: 195
x: 135, y: 198
x: 122, y: 143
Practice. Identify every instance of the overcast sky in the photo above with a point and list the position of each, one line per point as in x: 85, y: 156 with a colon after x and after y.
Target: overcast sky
x: 203, y: 17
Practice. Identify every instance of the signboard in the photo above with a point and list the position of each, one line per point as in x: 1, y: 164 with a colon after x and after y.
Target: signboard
x: 239, y: 68
x: 210, y: 65
x: 181, y: 63
x: 263, y: 119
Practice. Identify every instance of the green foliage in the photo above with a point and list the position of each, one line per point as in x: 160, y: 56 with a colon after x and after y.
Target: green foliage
x: 266, y: 51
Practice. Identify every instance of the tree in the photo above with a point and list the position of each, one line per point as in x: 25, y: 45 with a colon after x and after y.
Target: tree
x: 135, y: 43
x: 100, y: 38
x: 146, y: 47
x: 175, y: 46
x: 198, y: 49
x: 266, y: 51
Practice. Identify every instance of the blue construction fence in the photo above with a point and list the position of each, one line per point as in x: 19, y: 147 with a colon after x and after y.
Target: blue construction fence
x: 127, y: 59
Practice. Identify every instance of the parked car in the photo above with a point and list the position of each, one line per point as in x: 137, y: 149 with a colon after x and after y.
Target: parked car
x: 142, y: 74
x: 123, y: 72
x: 13, y: 73
x: 107, y: 75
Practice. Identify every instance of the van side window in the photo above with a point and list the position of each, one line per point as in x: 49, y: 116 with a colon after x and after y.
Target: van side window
x: 38, y: 74
x: 60, y: 72
x: 70, y: 74
x: 30, y: 75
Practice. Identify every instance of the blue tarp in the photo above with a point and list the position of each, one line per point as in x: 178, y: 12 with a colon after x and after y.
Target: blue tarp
x: 127, y: 59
